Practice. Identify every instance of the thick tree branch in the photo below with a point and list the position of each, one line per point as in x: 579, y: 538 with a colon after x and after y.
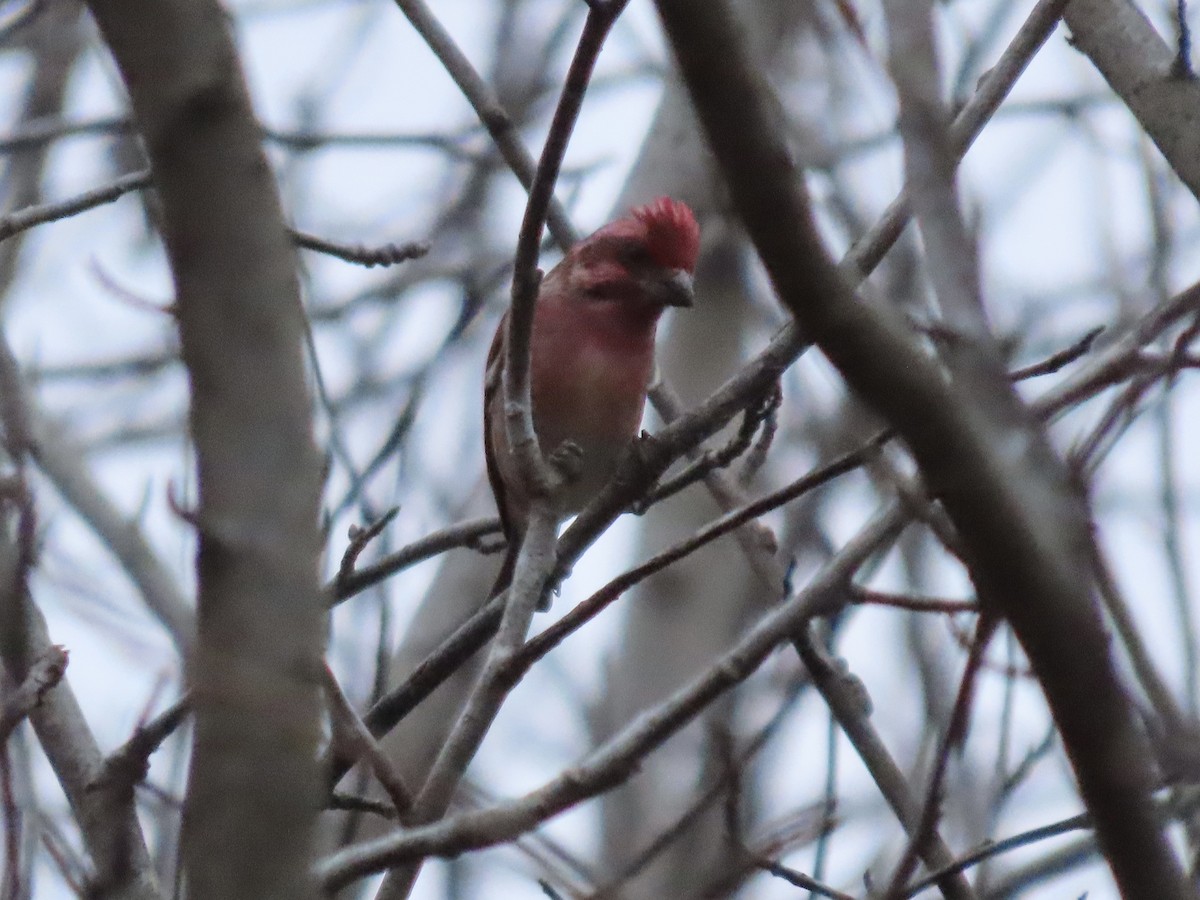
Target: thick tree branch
x: 253, y: 792
x: 1023, y: 530
x: 1139, y: 66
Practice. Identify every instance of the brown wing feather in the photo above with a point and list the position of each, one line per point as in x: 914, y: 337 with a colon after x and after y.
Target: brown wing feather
x: 493, y: 388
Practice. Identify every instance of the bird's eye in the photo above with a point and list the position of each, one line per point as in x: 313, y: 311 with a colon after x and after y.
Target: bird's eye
x: 635, y: 255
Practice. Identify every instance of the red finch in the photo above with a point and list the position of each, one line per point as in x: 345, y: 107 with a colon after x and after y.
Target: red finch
x: 592, y: 355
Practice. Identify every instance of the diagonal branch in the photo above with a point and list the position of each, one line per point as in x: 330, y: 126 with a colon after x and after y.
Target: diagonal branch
x: 1023, y: 530
x: 1140, y: 68
x: 487, y: 106
x: 109, y: 825
x: 618, y: 758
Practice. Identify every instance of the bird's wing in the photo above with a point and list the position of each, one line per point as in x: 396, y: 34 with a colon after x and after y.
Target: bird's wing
x: 493, y: 392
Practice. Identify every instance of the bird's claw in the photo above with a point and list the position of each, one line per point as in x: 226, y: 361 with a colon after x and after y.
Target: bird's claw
x: 644, y: 448
x: 567, y: 460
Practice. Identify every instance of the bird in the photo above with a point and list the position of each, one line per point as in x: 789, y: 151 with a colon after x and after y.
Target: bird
x: 591, y: 357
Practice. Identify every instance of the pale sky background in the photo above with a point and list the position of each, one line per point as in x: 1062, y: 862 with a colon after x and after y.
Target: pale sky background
x: 1077, y: 225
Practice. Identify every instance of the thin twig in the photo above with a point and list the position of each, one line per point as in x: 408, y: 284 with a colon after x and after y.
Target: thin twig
x: 1181, y: 67
x: 954, y: 737
x: 1056, y: 361
x: 38, y: 132
x: 32, y: 216
x: 352, y: 803
x: 593, y: 605
x: 70, y: 867
x: 993, y: 88
x: 383, y: 255
x: 800, y: 880
x: 356, y: 742
x: 757, y: 414
x: 829, y: 803
x: 1120, y: 359
x: 359, y: 539
x: 851, y: 708
x: 1024, y: 839
x: 1022, y: 769
x: 111, y: 833
x: 473, y: 634
x: 617, y: 759
x: 487, y: 106
x: 464, y: 534
x: 13, y: 827
x: 720, y: 786
x: 518, y: 404
x: 733, y: 830
x: 45, y: 673
x: 912, y: 604
x: 126, y: 767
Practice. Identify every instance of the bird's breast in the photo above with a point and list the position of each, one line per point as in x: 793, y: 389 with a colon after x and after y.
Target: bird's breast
x: 593, y: 394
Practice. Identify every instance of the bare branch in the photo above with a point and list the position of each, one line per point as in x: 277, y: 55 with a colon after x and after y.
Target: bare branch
x: 520, y: 603
x: 851, y: 708
x: 31, y: 217
x: 913, y: 604
x: 121, y: 866
x: 1032, y: 836
x: 385, y: 255
x: 45, y: 673
x: 356, y: 742
x: 465, y: 534
x: 253, y: 795
x: 1024, y: 536
x: 540, y: 478
x: 617, y: 759
x: 359, y: 539
x: 1139, y: 66
x: 474, y: 633
x: 867, y: 252
x: 487, y: 106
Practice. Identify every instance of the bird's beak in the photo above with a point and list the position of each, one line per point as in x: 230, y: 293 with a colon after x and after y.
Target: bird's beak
x: 678, y: 289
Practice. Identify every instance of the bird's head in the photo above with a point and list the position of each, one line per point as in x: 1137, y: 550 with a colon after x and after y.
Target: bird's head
x: 644, y: 261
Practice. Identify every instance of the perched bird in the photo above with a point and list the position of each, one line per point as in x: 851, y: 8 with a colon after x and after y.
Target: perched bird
x: 592, y: 353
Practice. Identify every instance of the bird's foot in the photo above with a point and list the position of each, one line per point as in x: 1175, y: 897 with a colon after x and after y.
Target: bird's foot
x: 643, y: 466
x: 567, y: 460
x: 646, y: 450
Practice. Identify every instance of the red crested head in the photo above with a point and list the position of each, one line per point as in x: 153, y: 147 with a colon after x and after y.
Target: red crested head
x: 672, y: 233
x: 666, y: 229
x: 644, y: 260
